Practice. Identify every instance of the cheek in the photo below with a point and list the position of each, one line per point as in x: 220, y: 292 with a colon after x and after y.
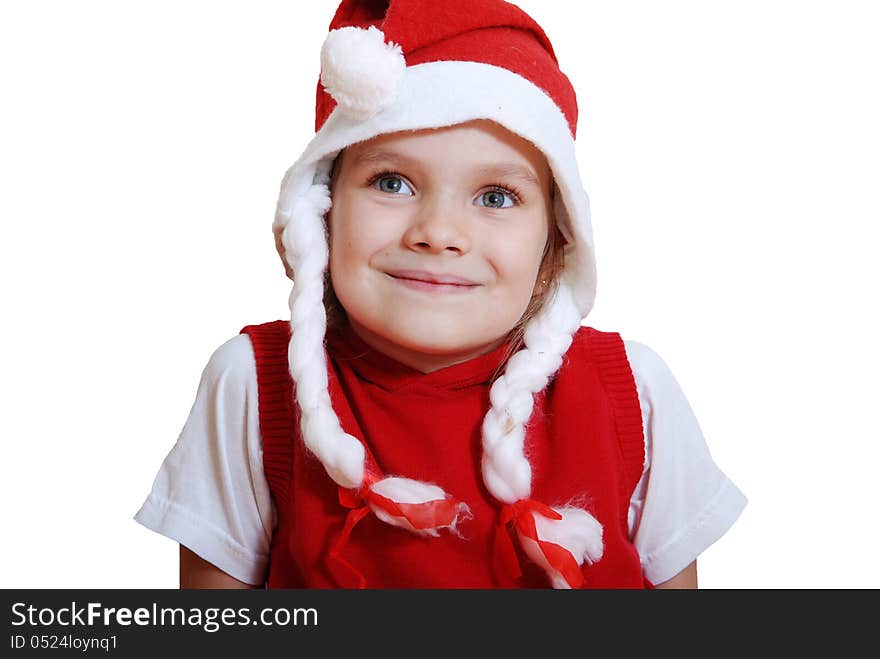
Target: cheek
x: 355, y: 240
x: 518, y: 258
x: 344, y: 257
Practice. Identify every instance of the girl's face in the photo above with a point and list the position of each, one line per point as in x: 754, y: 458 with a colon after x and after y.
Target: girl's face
x: 436, y: 239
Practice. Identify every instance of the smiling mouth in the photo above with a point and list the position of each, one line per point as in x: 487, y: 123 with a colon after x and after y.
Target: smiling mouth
x: 431, y: 284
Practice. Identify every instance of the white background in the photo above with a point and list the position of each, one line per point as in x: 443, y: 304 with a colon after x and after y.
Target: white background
x: 730, y: 150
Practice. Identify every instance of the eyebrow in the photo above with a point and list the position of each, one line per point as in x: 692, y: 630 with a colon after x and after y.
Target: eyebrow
x: 500, y: 170
x: 509, y: 170
x: 383, y: 155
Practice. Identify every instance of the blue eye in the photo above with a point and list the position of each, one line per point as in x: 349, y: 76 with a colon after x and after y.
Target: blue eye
x: 392, y: 184
x: 497, y: 199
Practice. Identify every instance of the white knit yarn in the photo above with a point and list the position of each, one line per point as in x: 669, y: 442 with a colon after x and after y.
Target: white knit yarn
x: 578, y: 531
x: 506, y: 469
x: 407, y: 490
x: 305, y: 244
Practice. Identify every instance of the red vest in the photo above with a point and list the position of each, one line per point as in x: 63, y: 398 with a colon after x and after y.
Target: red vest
x: 584, y: 443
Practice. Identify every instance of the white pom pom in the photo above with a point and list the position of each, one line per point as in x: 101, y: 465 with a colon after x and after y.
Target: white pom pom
x: 360, y: 71
x: 578, y: 532
x: 407, y: 490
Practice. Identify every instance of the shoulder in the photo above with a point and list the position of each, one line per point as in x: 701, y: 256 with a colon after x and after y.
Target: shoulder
x: 684, y: 502
x: 236, y: 358
x: 654, y: 381
x: 599, y: 342
x: 650, y: 372
x: 656, y: 384
x: 233, y: 361
x: 596, y: 345
x: 644, y: 359
x: 211, y: 494
x: 646, y: 365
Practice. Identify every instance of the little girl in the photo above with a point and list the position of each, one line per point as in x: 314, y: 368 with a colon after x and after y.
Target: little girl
x: 433, y: 414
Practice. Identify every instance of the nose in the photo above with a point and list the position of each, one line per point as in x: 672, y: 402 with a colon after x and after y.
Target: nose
x: 438, y: 226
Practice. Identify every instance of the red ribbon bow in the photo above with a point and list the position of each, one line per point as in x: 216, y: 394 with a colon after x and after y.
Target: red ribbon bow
x: 520, y: 513
x: 427, y: 515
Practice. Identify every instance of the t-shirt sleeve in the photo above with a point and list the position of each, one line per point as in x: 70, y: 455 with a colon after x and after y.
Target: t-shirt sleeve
x: 211, y: 494
x: 683, y: 502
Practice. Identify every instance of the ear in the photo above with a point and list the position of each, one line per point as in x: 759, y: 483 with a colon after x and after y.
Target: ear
x: 333, y: 175
x: 279, y: 247
x: 328, y: 219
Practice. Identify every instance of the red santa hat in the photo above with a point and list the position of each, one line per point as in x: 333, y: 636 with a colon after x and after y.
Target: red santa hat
x: 396, y: 65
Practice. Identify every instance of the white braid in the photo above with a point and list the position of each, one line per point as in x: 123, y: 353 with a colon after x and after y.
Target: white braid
x: 506, y: 470
x: 305, y: 247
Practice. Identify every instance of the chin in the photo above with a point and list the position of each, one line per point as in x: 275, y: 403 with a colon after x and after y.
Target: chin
x: 432, y: 345
x: 421, y: 336
x: 431, y: 338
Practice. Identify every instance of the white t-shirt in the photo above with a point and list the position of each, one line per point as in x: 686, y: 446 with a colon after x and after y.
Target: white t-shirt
x: 211, y: 493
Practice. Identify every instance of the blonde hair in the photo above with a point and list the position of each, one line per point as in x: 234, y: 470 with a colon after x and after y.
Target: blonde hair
x: 546, y: 283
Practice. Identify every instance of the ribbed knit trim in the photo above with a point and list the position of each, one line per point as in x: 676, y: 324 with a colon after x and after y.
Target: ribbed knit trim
x: 375, y: 367
x: 615, y: 373
x: 276, y: 405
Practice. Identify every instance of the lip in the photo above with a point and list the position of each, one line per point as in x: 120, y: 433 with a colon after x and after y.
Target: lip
x: 431, y: 278
x: 429, y: 281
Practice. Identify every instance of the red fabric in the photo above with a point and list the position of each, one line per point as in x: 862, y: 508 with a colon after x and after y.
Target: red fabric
x: 488, y: 31
x: 584, y: 443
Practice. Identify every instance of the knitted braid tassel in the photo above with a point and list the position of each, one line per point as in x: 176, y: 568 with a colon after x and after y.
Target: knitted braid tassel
x: 559, y: 539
